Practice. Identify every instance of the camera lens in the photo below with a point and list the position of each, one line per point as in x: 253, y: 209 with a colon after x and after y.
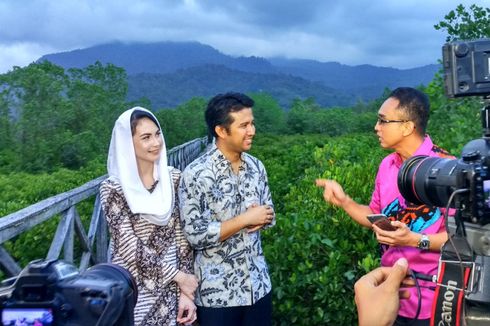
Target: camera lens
x: 116, y: 273
x: 428, y: 180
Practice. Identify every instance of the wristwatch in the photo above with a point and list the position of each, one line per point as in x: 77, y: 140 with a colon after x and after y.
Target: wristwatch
x: 424, y: 242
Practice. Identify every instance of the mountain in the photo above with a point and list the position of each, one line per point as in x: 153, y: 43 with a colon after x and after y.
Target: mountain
x: 169, y: 73
x: 209, y: 80
x: 363, y: 79
x: 163, y: 57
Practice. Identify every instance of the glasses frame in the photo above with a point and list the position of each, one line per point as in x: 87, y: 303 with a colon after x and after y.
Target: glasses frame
x: 382, y: 121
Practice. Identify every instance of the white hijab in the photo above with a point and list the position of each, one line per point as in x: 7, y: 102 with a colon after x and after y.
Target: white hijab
x: 156, y: 207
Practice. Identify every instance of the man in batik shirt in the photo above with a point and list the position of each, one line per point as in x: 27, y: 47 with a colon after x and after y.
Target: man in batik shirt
x: 225, y: 201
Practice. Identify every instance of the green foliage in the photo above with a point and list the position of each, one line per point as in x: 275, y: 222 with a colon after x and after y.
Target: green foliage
x: 269, y: 116
x: 184, y: 123
x: 315, y: 252
x: 306, y: 117
x: 51, y: 118
x: 463, y: 24
x: 19, y: 190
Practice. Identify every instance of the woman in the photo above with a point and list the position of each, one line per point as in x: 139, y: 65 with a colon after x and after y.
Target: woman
x: 141, y: 209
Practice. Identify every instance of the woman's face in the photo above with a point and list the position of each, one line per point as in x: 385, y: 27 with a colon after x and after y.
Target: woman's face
x: 147, y: 141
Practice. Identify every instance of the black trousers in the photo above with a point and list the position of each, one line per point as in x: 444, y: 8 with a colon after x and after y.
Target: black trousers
x: 258, y: 314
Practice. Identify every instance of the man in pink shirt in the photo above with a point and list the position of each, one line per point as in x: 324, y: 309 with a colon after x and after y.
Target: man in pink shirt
x: 420, y: 230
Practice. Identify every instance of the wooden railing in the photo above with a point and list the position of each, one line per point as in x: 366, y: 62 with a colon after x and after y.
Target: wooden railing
x: 94, y: 243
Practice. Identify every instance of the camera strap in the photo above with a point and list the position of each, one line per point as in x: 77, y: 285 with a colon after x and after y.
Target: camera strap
x: 452, y: 281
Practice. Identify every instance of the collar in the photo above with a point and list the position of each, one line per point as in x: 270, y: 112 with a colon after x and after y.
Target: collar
x: 424, y: 149
x: 221, y: 162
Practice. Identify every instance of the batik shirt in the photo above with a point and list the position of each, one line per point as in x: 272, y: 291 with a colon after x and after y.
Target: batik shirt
x: 232, y: 272
x: 387, y: 199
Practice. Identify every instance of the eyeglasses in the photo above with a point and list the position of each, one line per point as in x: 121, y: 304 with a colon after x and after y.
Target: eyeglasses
x: 382, y: 121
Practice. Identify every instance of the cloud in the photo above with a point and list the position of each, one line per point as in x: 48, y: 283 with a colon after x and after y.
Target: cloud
x: 382, y: 32
x: 20, y: 54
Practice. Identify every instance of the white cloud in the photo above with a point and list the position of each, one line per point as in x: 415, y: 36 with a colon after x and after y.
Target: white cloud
x: 21, y: 54
x: 380, y: 32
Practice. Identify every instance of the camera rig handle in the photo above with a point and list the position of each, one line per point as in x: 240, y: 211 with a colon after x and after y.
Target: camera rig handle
x: 485, y: 118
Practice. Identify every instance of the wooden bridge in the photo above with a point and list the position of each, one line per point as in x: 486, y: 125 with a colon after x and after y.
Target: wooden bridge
x: 94, y: 243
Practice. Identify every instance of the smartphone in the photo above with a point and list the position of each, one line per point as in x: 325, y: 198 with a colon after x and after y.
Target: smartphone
x: 381, y: 221
x: 373, y: 218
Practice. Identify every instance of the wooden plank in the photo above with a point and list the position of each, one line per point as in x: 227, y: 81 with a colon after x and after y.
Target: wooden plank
x: 68, y: 243
x: 85, y: 261
x: 9, y: 265
x: 102, y: 241
x: 85, y: 243
x: 87, y: 256
x: 60, y: 235
x: 80, y: 232
x: 94, y: 221
x: 25, y: 219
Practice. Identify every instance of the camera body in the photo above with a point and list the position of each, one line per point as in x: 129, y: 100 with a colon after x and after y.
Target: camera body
x: 463, y: 184
x: 52, y: 292
x: 432, y: 180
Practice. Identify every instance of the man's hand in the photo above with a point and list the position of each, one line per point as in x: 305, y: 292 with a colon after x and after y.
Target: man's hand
x: 258, y: 216
x: 333, y: 192
x: 187, y: 283
x: 377, y: 294
x: 402, y: 236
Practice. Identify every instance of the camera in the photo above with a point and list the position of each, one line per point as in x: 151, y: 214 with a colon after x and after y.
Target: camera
x: 53, y: 292
x: 463, y: 282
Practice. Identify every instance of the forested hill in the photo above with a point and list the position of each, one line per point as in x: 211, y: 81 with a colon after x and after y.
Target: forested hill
x: 208, y: 80
x: 170, y: 73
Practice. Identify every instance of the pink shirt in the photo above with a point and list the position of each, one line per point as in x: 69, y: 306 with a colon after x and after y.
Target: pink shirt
x: 420, y: 218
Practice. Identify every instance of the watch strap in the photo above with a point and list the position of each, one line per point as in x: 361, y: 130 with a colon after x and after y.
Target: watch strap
x: 424, y: 242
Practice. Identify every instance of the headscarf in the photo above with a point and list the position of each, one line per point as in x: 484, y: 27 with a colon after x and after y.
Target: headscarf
x: 156, y: 207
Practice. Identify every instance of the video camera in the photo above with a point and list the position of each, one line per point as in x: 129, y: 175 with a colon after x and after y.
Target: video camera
x: 53, y: 292
x: 463, y: 284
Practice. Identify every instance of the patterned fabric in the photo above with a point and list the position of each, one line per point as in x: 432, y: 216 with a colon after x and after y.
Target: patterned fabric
x: 152, y: 254
x: 232, y: 272
x: 387, y: 199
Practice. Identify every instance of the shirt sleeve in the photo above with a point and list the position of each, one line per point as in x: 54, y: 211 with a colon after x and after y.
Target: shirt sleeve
x: 375, y: 204
x: 199, y: 228
x: 132, y: 253
x: 185, y: 251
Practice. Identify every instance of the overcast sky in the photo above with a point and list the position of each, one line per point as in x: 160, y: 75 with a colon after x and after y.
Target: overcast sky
x: 391, y: 33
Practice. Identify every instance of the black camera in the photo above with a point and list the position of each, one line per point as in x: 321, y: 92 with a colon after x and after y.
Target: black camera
x: 52, y: 292
x: 463, y: 283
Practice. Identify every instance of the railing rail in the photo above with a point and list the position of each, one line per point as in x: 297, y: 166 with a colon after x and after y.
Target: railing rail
x: 94, y: 243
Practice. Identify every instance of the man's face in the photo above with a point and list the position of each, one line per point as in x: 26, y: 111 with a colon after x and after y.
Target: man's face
x: 391, y: 124
x: 239, y: 137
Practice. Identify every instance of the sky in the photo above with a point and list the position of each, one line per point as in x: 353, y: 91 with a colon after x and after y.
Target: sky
x: 389, y: 33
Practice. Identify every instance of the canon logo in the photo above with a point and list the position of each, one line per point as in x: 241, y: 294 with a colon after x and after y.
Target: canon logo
x: 447, y: 304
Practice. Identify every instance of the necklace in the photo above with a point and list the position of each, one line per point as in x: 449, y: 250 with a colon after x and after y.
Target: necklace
x: 153, y: 186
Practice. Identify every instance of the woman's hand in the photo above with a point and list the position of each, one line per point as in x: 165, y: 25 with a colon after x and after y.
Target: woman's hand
x: 187, y: 310
x: 187, y: 283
